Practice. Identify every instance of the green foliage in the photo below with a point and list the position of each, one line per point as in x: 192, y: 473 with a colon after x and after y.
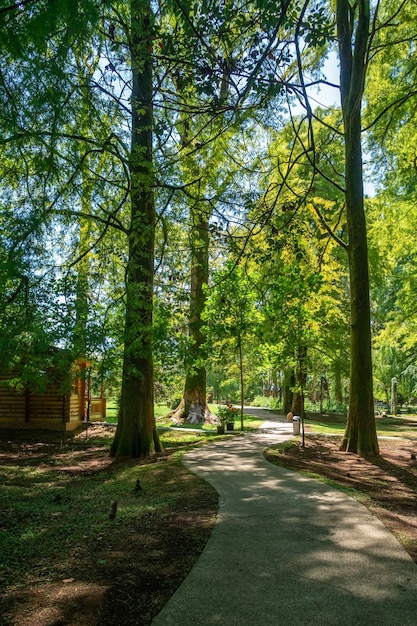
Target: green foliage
x: 174, y: 401
x: 227, y: 414
x: 280, y: 449
x: 267, y: 402
x: 269, y: 186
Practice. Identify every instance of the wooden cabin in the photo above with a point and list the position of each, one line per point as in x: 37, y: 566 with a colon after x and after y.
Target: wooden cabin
x: 63, y: 403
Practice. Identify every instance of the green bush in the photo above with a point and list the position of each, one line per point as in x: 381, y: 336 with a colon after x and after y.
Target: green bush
x: 174, y: 402
x: 227, y: 414
x: 268, y: 403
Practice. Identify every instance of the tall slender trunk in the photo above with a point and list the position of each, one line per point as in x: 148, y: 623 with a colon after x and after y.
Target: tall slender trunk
x: 287, y: 394
x: 360, y: 435
x: 136, y: 434
x: 242, y: 382
x: 82, y: 287
x: 84, y: 226
x: 193, y: 407
x: 195, y: 388
x: 297, y: 405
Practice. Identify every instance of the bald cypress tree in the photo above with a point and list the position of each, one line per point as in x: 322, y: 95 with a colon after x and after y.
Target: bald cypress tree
x: 353, y: 38
x: 136, y: 434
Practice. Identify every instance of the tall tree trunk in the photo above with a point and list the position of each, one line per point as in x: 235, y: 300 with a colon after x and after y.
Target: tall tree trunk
x: 136, y: 434
x: 297, y: 405
x: 287, y: 394
x: 82, y: 287
x: 193, y: 407
x: 242, y: 383
x: 83, y: 266
x: 360, y: 435
x: 195, y: 388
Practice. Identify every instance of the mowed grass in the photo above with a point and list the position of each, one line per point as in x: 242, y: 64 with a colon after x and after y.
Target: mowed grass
x: 112, y: 406
x: 249, y: 422
x: 399, y: 426
x: 161, y: 412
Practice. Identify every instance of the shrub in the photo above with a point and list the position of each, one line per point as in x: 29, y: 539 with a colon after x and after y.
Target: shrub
x: 227, y: 414
x: 174, y: 402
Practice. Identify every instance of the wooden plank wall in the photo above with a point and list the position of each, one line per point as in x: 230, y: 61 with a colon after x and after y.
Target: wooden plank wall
x: 74, y: 409
x: 12, y: 404
x: 48, y: 406
x: 98, y: 409
x: 51, y: 406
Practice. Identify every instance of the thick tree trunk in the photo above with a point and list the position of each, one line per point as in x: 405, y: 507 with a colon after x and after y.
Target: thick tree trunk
x: 287, y: 394
x: 195, y: 388
x: 193, y: 407
x: 136, y: 434
x: 83, y: 266
x: 297, y: 405
x: 360, y: 435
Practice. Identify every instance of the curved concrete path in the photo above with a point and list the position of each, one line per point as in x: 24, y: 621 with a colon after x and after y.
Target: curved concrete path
x: 287, y: 550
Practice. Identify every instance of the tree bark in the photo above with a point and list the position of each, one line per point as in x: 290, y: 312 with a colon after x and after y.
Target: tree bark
x: 195, y: 388
x: 136, y: 434
x: 83, y: 266
x: 297, y: 405
x: 287, y: 394
x: 193, y: 407
x: 82, y: 287
x: 242, y: 383
x: 360, y: 435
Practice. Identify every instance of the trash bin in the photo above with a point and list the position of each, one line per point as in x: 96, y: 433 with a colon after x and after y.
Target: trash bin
x: 296, y: 425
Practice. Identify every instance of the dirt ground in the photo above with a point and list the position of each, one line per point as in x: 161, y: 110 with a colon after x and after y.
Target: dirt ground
x: 147, y: 560
x: 122, y: 574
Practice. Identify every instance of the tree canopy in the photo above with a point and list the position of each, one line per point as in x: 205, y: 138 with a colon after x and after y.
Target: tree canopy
x: 176, y: 205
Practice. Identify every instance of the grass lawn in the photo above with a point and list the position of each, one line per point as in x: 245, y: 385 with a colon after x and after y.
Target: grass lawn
x: 400, y: 426
x: 161, y: 410
x: 249, y: 422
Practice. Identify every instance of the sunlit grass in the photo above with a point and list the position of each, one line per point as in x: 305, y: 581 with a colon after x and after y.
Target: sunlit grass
x: 401, y: 426
x: 249, y: 423
x: 162, y: 411
x: 111, y: 410
x: 325, y: 428
x: 112, y: 407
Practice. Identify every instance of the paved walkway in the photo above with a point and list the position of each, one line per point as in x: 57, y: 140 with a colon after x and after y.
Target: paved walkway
x: 289, y: 551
